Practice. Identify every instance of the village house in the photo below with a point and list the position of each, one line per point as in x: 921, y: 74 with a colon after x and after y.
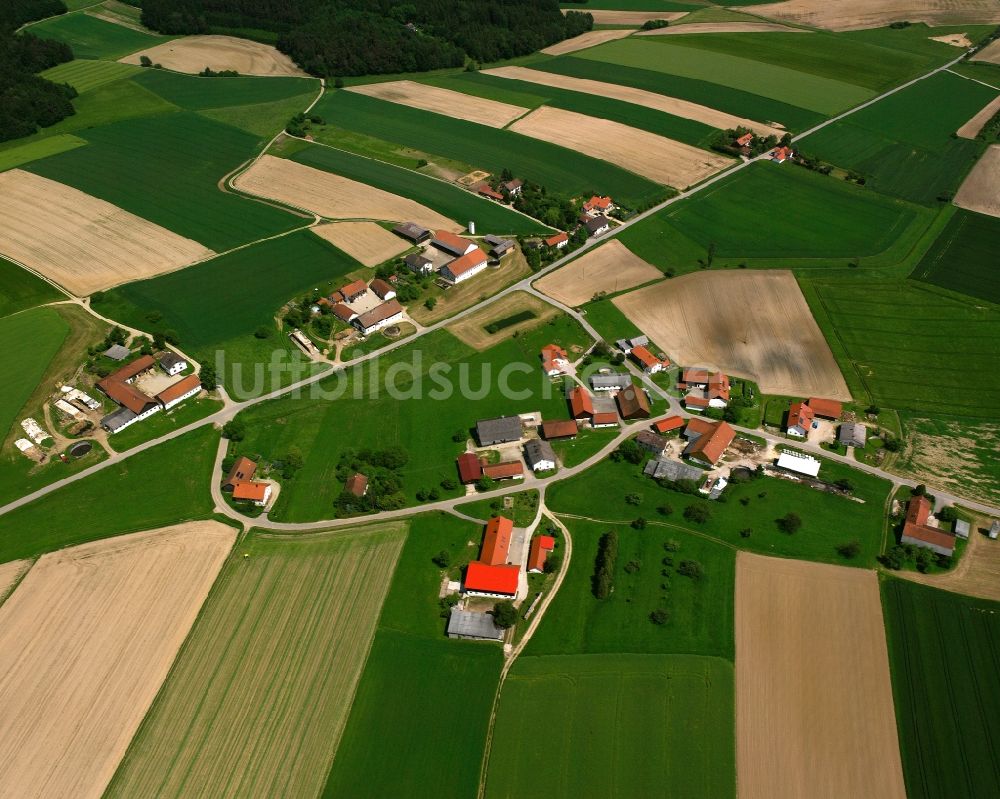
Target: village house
x: 354, y: 291
x: 781, y: 154
x: 344, y: 312
x: 853, y: 434
x: 462, y: 268
x: 242, y: 470
x: 485, y: 190
x: 558, y: 241
x: 539, y: 455
x: 472, y: 626
x: 541, y: 546
x: 257, y: 493
x: 554, y: 360
x: 418, y: 264
x: 919, y: 533
x: 357, y: 484
x: 651, y: 442
x: 411, y: 231
x: 668, y: 424
x: 800, y: 420
x: 707, y: 441
x: 176, y: 393
x: 598, y: 205
x: 492, y: 575
x: 135, y: 405
x: 507, y: 470
x: 470, y: 468
x: 450, y: 243
x: 610, y: 382
x: 378, y: 317
x: 581, y: 404
x: 705, y: 389
x: 648, y: 362
x: 826, y: 408
x: 382, y: 289
x: 559, y: 429
x: 502, y: 430
x: 604, y: 419
x: 744, y: 140
x: 632, y: 403
x: 514, y: 186
x: 172, y: 363
x: 598, y: 225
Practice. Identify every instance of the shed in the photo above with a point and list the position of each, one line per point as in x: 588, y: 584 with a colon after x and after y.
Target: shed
x: 411, y: 231
x: 501, y: 430
x: 610, y: 382
x: 473, y: 626
x: 799, y: 463
x: 116, y: 352
x: 853, y: 434
x: 667, y: 469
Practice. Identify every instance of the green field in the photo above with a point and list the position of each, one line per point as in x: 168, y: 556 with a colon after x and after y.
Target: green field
x: 631, y: 5
x: 166, y: 169
x: 38, y: 148
x: 556, y: 168
x: 615, y: 725
x: 19, y: 289
x: 139, y: 493
x: 94, y: 38
x: 943, y: 653
x: 422, y: 697
x: 196, y: 93
x: 963, y: 258
x: 85, y: 75
x: 160, y: 424
x: 445, y: 198
x: 898, y: 344
x: 701, y: 611
x: 265, y: 680
x: 827, y: 519
x: 660, y: 54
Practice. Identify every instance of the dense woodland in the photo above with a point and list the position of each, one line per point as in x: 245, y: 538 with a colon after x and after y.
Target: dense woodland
x: 334, y: 38
x: 28, y: 102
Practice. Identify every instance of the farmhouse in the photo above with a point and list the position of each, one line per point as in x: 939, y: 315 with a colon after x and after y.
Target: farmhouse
x: 781, y: 154
x: 651, y: 442
x: 539, y: 455
x: 744, y: 140
x: 178, y: 392
x: 501, y: 430
x: 598, y: 205
x: 242, y: 470
x: 354, y: 291
x: 705, y: 389
x: 499, y: 247
x: 491, y: 575
x: 853, y: 434
x: 665, y: 469
x: 541, y: 546
x: 419, y: 264
x: 800, y: 419
x: 707, y: 441
x: 464, y: 267
x: 472, y: 626
x: 606, y: 419
x: 485, y: 190
x: 378, y: 317
x: 411, y: 231
x: 649, y: 363
x: 916, y: 531
x: 469, y: 467
x: 632, y: 403
x: 581, y: 404
x: 449, y: 242
x: 668, y: 424
x: 382, y: 289
x: 798, y: 463
x: 172, y: 363
x: 514, y: 186
x: 135, y: 405
x: 554, y: 360
x: 343, y: 312
x: 558, y: 241
x: 356, y: 484
x: 626, y: 344
x: 560, y: 429
x: 826, y: 408
x: 610, y: 382
x: 508, y: 470
x: 257, y: 493
x: 597, y: 225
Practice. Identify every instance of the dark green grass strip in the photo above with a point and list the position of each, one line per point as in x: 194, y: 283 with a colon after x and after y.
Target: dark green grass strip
x: 196, y: 93
x: 964, y: 257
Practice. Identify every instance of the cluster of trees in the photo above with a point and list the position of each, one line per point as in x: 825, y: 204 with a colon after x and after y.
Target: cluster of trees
x: 903, y: 554
x: 604, y: 565
x: 725, y: 142
x: 332, y: 38
x: 385, y: 486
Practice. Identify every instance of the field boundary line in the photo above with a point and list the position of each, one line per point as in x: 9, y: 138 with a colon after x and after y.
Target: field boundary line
x: 974, y: 80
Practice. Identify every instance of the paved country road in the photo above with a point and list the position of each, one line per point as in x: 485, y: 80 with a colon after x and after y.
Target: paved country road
x: 233, y: 408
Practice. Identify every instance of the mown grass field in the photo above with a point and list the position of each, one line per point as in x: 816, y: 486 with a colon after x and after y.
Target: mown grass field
x: 19, y: 289
x: 39, y: 148
x: 827, y: 519
x: 94, y: 38
x: 554, y: 167
x: 615, y: 725
x: 85, y: 75
x: 822, y: 95
x: 963, y: 258
x: 899, y: 344
x: 943, y: 651
x: 138, y: 494
x: 423, y: 698
x: 735, y: 100
x: 445, y: 198
x: 258, y: 698
x: 167, y: 169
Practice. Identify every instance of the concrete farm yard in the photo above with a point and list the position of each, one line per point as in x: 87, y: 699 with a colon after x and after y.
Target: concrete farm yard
x: 565, y: 418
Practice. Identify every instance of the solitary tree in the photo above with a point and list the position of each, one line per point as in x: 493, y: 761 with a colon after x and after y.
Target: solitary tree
x: 442, y: 559
x: 790, y: 523
x: 504, y: 614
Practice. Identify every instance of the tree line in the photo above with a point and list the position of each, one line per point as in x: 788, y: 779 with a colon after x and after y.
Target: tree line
x: 334, y: 38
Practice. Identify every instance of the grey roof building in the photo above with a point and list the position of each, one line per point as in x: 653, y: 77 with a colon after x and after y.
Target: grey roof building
x: 116, y: 420
x: 474, y: 626
x: 501, y: 430
x: 499, y: 247
x: 613, y: 382
x: 171, y: 360
x: 665, y: 469
x: 116, y: 352
x: 626, y: 344
x: 651, y: 442
x: 412, y: 231
x: 416, y: 262
x: 539, y: 455
x: 853, y: 434
x: 599, y: 224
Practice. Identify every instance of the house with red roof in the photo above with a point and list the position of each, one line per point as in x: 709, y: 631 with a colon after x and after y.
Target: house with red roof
x: 598, y: 205
x: 470, y: 469
x: 707, y: 441
x: 449, y: 242
x: 800, y: 419
x: 825, y: 408
x: 632, y: 403
x: 499, y: 582
x: 649, y: 363
x: 465, y: 266
x: 257, y: 493
x: 496, y: 541
x: 357, y: 484
x: 485, y: 190
x: 382, y: 289
x: 918, y: 532
x: 554, y: 360
x: 604, y: 419
x: 744, y: 140
x: 581, y: 404
x: 564, y: 428
x: 541, y: 546
x: 558, y: 241
x: 781, y: 154
x: 354, y: 291
x: 668, y: 424
x: 705, y: 389
x: 507, y: 470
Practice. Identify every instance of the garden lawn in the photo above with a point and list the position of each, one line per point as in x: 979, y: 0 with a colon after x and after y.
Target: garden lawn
x: 94, y: 38
x: 943, y: 651
x: 159, y: 424
x: 438, y: 195
x: 523, y: 512
x: 165, y: 485
x: 573, y: 451
x: 167, y: 169
x: 963, y: 258
x: 554, y: 167
x: 615, y: 725
x: 827, y: 519
x: 85, y: 75
x: 823, y: 95
x: 19, y: 289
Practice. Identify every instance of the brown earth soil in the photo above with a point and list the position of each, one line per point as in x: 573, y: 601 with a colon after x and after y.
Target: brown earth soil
x: 845, y: 15
x: 971, y: 128
x: 85, y: 642
x: 658, y: 158
x: 367, y: 242
x: 10, y: 573
x: 977, y: 573
x: 443, y: 101
x: 990, y: 53
x: 80, y: 242
x: 980, y: 191
x: 752, y: 324
x: 954, y: 39
x: 814, y: 707
x: 193, y: 53
x: 609, y: 268
x: 333, y: 196
x: 585, y: 40
x: 627, y: 94
x: 471, y: 329
x: 723, y: 27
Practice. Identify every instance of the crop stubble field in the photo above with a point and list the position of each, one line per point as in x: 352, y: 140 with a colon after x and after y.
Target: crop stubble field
x: 609, y: 268
x: 753, y: 324
x: 585, y: 40
x: 443, y: 101
x: 260, y: 694
x: 980, y: 191
x: 846, y: 15
x: 367, y: 242
x: 814, y: 710
x: 195, y: 53
x: 87, y: 638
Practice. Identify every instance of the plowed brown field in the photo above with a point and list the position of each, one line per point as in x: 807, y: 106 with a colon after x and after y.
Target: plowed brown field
x: 609, y: 268
x: 971, y: 128
x: 990, y: 53
x: 443, y: 101
x: 194, y: 53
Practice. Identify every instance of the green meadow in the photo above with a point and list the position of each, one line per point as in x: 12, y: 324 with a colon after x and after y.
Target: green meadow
x: 195, y: 93
x: 964, y: 257
x: 94, y: 38
x: 19, y: 289
x: 85, y: 75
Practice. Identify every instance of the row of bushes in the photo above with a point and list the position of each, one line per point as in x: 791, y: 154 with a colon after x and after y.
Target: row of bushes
x: 604, y: 566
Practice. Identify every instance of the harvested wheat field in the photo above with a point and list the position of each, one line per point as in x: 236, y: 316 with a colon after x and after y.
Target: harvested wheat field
x: 990, y: 53
x: 980, y: 191
x: 193, y: 53
x: 627, y: 94
x: 609, y: 268
x: 723, y: 27
x: 814, y: 708
x: 847, y: 15
x: 472, y: 329
x: 85, y: 642
x: 954, y: 39
x: 443, y: 101
x: 658, y: 158
x: 10, y: 573
x: 971, y: 128
x: 753, y: 324
x: 258, y: 699
x: 366, y: 242
x: 633, y: 18
x: 333, y: 196
x: 80, y: 242
x: 585, y: 40
x: 977, y: 573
